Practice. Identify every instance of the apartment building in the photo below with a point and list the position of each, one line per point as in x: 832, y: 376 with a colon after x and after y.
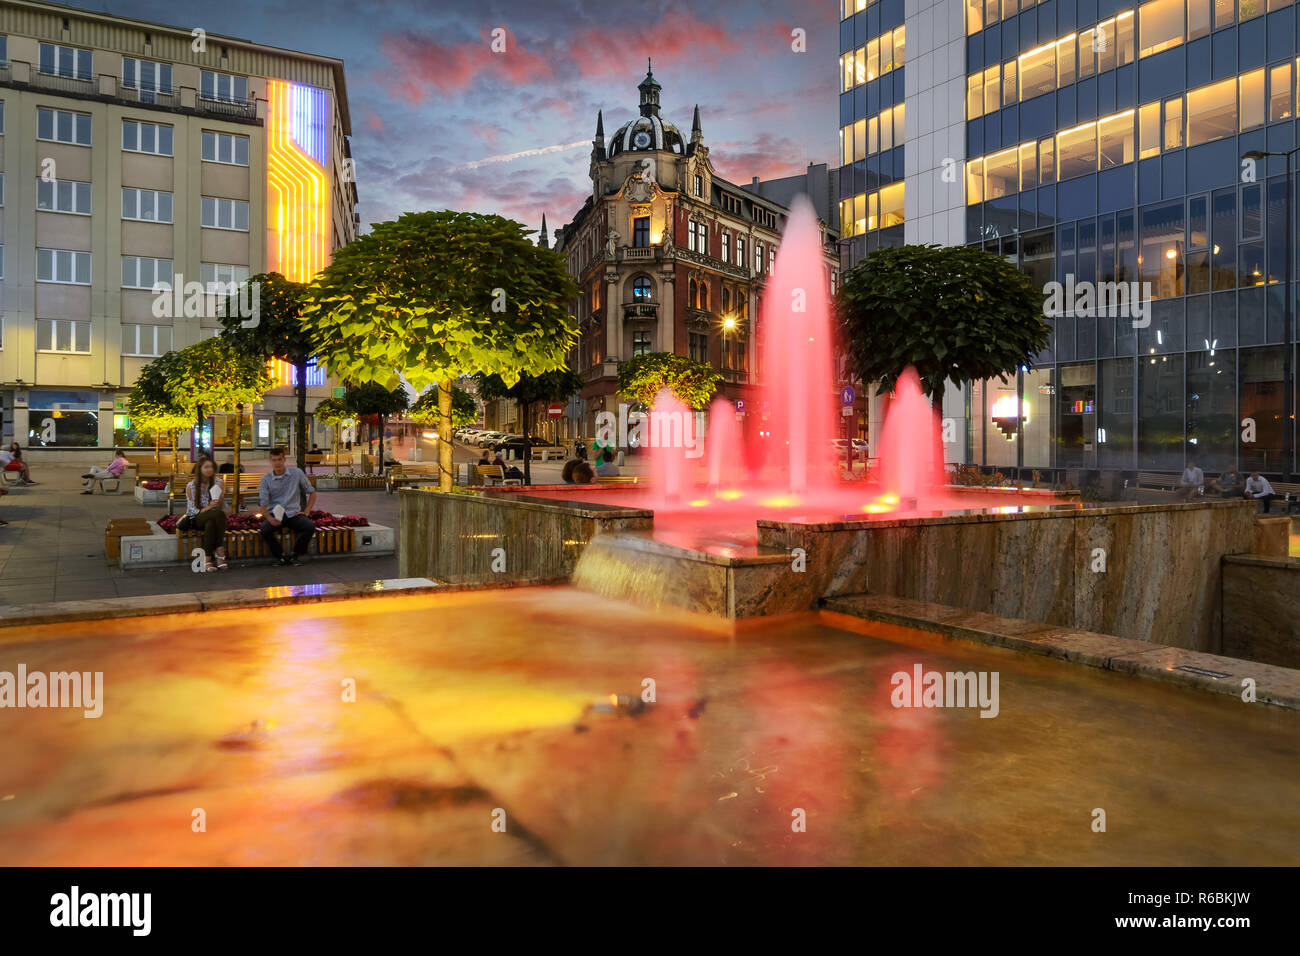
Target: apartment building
x: 136, y: 155
x: 1094, y: 141
x: 670, y: 257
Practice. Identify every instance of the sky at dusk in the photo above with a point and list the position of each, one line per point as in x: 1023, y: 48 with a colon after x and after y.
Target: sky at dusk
x: 439, y: 121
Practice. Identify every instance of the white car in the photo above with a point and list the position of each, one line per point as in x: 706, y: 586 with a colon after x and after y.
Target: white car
x: 488, y: 439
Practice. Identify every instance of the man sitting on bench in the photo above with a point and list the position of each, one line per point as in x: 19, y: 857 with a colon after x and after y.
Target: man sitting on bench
x: 112, y: 472
x: 279, y: 494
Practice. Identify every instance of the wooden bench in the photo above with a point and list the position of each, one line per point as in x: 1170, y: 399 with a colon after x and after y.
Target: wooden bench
x: 324, y: 459
x: 547, y: 452
x: 1289, y: 492
x: 495, y: 474
x: 410, y: 474
x: 616, y: 479
x: 330, y: 539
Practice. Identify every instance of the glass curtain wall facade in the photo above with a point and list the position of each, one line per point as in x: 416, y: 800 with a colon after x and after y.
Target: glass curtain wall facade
x: 1103, y: 145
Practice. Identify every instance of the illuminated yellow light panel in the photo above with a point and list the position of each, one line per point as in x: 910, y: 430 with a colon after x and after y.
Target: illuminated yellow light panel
x: 298, y: 190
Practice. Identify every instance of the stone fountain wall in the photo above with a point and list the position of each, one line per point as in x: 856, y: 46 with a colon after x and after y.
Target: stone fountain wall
x: 466, y: 538
x: 1162, y: 577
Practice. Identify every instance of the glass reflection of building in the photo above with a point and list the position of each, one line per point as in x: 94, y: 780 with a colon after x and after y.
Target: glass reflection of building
x: 1102, y: 140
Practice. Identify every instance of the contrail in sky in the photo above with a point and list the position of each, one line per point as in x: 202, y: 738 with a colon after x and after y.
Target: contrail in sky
x: 508, y: 157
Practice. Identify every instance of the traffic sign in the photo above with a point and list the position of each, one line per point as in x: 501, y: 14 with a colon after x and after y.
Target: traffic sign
x: 740, y: 405
x: 555, y: 409
x: 847, y: 395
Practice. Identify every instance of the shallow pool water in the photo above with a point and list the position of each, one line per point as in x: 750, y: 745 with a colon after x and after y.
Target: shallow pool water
x: 398, y: 730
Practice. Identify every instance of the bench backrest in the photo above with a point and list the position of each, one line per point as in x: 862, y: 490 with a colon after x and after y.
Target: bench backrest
x: 490, y: 471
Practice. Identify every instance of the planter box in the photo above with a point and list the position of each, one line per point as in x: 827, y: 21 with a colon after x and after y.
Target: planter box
x: 150, y: 498
x: 326, y: 483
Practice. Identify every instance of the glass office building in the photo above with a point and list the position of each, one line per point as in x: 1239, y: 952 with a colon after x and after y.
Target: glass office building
x: 1093, y: 141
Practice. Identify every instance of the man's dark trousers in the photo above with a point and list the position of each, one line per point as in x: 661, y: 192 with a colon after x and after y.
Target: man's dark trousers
x: 302, y: 528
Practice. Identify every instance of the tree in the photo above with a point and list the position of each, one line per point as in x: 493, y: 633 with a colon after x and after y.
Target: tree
x: 278, y: 333
x: 150, y: 404
x: 371, y: 398
x: 437, y: 295
x: 953, y: 312
x: 333, y: 413
x: 643, y: 377
x: 527, y: 391
x: 213, y: 375
x: 464, y: 408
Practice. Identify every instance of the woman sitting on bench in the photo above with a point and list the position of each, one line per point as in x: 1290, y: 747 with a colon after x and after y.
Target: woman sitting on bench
x: 113, y: 471
x: 205, y: 513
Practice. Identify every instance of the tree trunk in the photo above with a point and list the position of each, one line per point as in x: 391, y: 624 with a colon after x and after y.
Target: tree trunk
x: 239, y: 432
x: 528, y: 449
x: 157, y: 443
x: 445, y: 476
x: 940, y: 470
x: 382, y: 419
x: 301, y: 392
x: 198, y: 434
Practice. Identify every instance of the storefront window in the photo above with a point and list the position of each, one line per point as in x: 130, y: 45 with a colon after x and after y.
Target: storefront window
x: 64, y: 419
x: 1260, y: 395
x: 1212, y: 409
x: 1115, y: 416
x: 1160, y: 413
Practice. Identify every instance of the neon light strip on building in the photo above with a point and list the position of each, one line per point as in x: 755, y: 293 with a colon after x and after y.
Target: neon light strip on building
x: 298, y: 190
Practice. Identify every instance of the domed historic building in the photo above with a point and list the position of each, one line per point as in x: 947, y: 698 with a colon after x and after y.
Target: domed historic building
x: 670, y: 257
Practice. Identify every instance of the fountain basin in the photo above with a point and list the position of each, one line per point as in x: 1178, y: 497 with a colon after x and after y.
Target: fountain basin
x: 1145, y: 572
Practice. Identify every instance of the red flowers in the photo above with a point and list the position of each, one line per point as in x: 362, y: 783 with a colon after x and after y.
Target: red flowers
x: 251, y: 522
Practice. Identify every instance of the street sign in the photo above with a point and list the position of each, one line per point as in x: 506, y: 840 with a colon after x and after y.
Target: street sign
x: 847, y: 395
x: 555, y: 409
x: 338, y: 391
x: 740, y: 405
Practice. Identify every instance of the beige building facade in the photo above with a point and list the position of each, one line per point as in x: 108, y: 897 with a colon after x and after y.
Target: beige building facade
x: 137, y: 158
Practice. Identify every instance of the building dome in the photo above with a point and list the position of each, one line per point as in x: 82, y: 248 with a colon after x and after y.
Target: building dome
x: 647, y: 132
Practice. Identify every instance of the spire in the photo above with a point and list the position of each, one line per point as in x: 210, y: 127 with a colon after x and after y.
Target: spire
x: 543, y: 239
x: 697, y: 135
x: 598, y: 142
x: 649, y: 88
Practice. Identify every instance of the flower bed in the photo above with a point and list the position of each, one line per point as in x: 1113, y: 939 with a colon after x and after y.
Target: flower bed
x: 156, y: 485
x: 251, y: 522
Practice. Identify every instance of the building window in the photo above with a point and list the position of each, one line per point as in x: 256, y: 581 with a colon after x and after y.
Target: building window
x: 146, y: 76
x: 140, y: 137
x: 139, y: 272
x: 699, y: 347
x: 61, y: 126
x: 62, y: 265
x: 699, y: 185
x: 225, y: 214
x: 758, y: 256
x: 223, y: 87
x: 740, y: 251
x: 1160, y: 26
x: 62, y: 418
x: 217, y: 274
x: 66, y: 61
x: 62, y: 335
x: 148, y: 205
x: 1212, y: 112
x: 699, y: 237
x: 225, y: 148
x: 726, y: 246
x: 60, y: 195
x: 726, y: 300
x: 2, y: 116
x: 771, y: 258
x: 704, y: 294
x: 148, y: 340
x: 641, y: 290
x: 641, y: 344
x: 641, y: 232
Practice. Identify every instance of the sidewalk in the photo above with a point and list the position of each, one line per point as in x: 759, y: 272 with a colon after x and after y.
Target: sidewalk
x: 53, y: 546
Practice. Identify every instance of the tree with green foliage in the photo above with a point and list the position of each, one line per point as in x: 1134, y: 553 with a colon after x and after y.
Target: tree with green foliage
x: 464, y: 408
x: 150, y: 405
x: 527, y: 391
x: 643, y: 377
x: 215, y: 375
x: 278, y: 332
x: 954, y: 313
x: 335, y: 415
x: 433, y: 296
x: 371, y: 398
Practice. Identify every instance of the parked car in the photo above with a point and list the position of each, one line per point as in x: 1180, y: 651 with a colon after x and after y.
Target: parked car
x: 515, y: 445
x: 467, y: 435
x: 488, y: 439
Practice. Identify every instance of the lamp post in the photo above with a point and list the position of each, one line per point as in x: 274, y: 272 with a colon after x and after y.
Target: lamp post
x: 1287, y: 395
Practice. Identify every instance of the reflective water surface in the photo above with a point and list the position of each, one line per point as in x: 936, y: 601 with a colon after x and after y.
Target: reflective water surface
x: 495, y: 706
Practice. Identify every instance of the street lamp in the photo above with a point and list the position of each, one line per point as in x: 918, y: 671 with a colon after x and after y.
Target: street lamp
x: 1287, y: 427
